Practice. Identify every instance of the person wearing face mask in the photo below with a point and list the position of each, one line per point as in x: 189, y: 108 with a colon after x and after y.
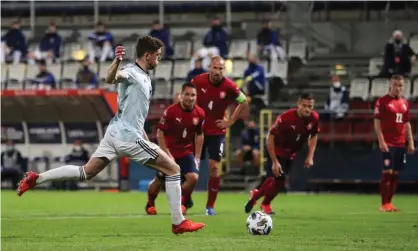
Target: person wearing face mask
x: 13, y: 44
x: 101, y: 44
x: 398, y: 58
x: 86, y: 78
x: 254, y: 77
x: 268, y: 42
x: 336, y: 106
x: 49, y: 47
x: 11, y: 164
x: 217, y: 37
x: 44, y: 79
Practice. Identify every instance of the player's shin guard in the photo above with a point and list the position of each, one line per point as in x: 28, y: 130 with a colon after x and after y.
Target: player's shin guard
x: 213, y: 188
x: 68, y: 172
x: 173, y: 190
x: 393, y: 185
x: 385, y: 188
x: 272, y: 190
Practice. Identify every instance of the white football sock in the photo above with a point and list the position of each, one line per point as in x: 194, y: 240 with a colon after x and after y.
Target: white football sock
x: 68, y: 172
x: 173, y: 190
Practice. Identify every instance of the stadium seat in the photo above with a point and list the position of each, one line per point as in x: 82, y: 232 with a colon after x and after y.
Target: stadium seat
x: 162, y: 89
x: 238, y: 49
x: 253, y: 47
x: 415, y: 89
x: 181, y: 68
x: 182, y: 49
x: 297, y: 47
x: 69, y: 49
x: 17, y: 74
x: 279, y: 69
x: 341, y: 130
x: 413, y: 42
x: 362, y: 130
x: 265, y: 64
x: 69, y: 72
x: 129, y: 49
x: 4, y: 68
x: 380, y: 87
x: 325, y: 134
x: 177, y: 85
x: 359, y: 108
x: 32, y: 71
x: 103, y: 66
x: 238, y: 68
x: 408, y: 88
x: 197, y: 44
x: 375, y: 66
x: 359, y: 88
x: 164, y: 70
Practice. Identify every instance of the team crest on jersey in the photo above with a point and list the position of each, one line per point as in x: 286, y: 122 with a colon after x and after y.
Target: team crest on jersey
x: 309, y: 127
x: 195, y: 121
x: 222, y: 95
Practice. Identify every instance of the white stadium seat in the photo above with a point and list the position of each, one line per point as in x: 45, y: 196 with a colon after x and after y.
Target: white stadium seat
x: 162, y: 89
x: 163, y: 70
x: 279, y: 69
x: 238, y: 49
x: 17, y: 74
x: 407, y: 89
x: 177, y: 85
x: 182, y: 49
x: 181, y: 68
x: 359, y: 88
x: 297, y: 47
x: 238, y: 68
x: 380, y: 87
x: 69, y: 72
x: 375, y: 66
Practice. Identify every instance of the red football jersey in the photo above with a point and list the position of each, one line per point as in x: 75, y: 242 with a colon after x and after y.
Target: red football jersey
x: 214, y: 100
x: 291, y: 132
x: 180, y: 127
x: 393, y: 114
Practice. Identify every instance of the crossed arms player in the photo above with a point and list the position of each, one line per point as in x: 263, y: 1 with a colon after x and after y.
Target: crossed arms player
x: 214, y: 94
x: 180, y: 135
x: 393, y: 130
x: 125, y: 135
x: 291, y: 130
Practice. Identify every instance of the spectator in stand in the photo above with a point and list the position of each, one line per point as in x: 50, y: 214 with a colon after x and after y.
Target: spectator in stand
x: 49, y: 47
x: 197, y: 70
x: 101, y: 44
x: 268, y: 42
x: 86, y: 78
x: 217, y: 37
x: 11, y: 164
x: 398, y: 58
x: 13, y: 45
x: 161, y: 33
x: 254, y: 77
x: 44, y: 79
x: 250, y: 146
x: 336, y: 106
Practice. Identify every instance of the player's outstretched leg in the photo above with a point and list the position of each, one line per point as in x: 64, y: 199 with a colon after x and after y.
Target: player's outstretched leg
x: 67, y: 172
x: 166, y: 165
x: 271, y: 192
x: 256, y: 194
x: 153, y: 191
x: 214, y: 185
x: 187, y: 190
x: 385, y: 191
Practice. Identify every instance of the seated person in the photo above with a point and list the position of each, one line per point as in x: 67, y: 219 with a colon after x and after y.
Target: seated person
x: 86, y: 78
x: 49, y: 47
x: 250, y: 146
x: 11, y: 164
x: 196, y: 71
x: 254, y: 78
x: 44, y: 79
x: 13, y: 45
x: 159, y: 32
x: 101, y: 44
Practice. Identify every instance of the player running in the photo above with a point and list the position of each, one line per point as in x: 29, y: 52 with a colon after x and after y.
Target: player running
x: 215, y: 93
x: 125, y: 135
x: 180, y: 135
x: 393, y: 129
x: 291, y: 130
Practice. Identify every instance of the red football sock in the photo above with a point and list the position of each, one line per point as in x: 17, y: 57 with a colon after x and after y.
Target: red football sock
x: 393, y: 185
x: 272, y: 190
x: 213, y: 188
x: 262, y: 191
x: 385, y: 187
x: 186, y: 193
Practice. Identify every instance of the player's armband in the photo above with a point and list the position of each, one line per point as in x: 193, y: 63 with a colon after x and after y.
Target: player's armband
x: 241, y: 98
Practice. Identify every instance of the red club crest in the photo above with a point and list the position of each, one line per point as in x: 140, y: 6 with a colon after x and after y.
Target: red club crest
x: 222, y: 95
x: 195, y: 121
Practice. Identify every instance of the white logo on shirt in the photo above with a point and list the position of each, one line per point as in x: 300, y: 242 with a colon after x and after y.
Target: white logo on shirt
x: 203, y: 90
x: 178, y: 120
x: 294, y: 127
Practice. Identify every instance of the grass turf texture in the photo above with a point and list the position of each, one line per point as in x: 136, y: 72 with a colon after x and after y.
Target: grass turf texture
x: 116, y: 221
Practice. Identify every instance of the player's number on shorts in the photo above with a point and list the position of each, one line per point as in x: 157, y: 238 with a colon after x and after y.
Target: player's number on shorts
x: 398, y: 117
x: 184, y: 133
x: 210, y: 105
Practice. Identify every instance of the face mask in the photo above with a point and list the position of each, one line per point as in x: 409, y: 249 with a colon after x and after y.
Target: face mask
x: 398, y: 40
x: 9, y: 148
x: 77, y: 148
x: 336, y: 84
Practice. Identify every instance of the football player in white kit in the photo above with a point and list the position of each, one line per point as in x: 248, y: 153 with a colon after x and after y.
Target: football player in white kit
x: 125, y: 135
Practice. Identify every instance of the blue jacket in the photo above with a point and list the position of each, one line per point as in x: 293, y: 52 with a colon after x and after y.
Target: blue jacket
x: 45, y: 78
x: 51, y: 41
x: 15, y: 40
x: 164, y: 36
x: 251, y: 137
x: 98, y: 38
x: 219, y: 38
x: 267, y: 37
x: 256, y: 73
x: 193, y: 73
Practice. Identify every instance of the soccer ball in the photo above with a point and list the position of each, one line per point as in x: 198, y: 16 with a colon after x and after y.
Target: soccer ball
x: 259, y: 223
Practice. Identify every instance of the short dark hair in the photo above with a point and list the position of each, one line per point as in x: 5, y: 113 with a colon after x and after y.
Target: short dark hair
x: 306, y: 96
x: 147, y: 44
x: 396, y: 77
x: 186, y: 85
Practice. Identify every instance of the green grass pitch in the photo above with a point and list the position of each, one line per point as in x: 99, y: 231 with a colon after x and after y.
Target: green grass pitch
x: 96, y: 221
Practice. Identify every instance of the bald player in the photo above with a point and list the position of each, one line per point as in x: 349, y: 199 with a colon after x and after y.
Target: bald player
x: 215, y: 93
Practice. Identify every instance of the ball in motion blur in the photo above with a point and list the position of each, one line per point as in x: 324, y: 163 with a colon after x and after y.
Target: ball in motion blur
x: 259, y: 223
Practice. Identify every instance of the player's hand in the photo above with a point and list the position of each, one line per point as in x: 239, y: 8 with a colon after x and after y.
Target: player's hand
x: 411, y: 148
x: 277, y: 169
x: 383, y: 147
x: 308, y: 162
x: 119, y: 53
x: 222, y: 123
